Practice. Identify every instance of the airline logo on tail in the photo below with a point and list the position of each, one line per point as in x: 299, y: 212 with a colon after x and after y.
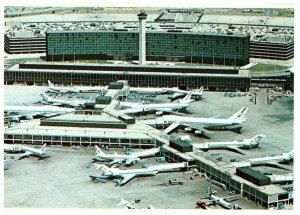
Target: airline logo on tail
x: 98, y: 150
x: 255, y: 140
x: 240, y: 115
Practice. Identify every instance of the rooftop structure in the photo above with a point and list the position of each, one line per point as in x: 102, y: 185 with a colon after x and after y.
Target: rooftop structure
x: 270, y: 36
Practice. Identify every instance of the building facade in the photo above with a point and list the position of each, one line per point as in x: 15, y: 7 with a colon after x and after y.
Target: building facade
x: 82, y: 74
x: 202, y: 48
x: 272, y: 50
x: 24, y: 45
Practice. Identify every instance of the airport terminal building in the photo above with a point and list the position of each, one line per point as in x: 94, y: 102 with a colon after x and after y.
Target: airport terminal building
x: 171, y: 45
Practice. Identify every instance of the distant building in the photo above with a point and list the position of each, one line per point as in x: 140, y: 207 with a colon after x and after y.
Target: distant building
x: 276, y: 48
x: 173, y: 45
x: 23, y: 43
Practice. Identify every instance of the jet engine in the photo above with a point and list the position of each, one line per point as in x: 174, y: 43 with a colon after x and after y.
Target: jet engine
x: 187, y: 129
x: 198, y: 132
x: 159, y: 113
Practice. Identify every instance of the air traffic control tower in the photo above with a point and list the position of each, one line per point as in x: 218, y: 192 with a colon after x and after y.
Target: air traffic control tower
x: 142, y: 37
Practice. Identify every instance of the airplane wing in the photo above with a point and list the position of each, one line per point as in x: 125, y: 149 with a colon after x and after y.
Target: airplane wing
x: 208, y: 202
x: 50, y: 114
x: 117, y: 160
x: 126, y: 178
x: 11, y: 116
x: 26, y: 154
x: 63, y: 105
x: 95, y: 178
x: 198, y: 127
x: 236, y: 149
x: 171, y: 127
x: 176, y: 96
x: 231, y: 198
x: 173, y: 112
x: 278, y: 165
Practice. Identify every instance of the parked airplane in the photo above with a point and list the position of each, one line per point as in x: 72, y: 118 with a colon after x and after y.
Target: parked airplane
x: 197, y: 124
x: 159, y: 109
x: 28, y: 112
x: 148, y: 90
x: 60, y: 102
x: 128, y: 204
x: 73, y: 89
x: 286, y: 178
x: 232, y: 145
x: 129, y: 159
x: 177, y: 93
x: 129, y: 174
x: 62, y: 89
x: 214, y: 200
x: 268, y: 160
x: 28, y: 151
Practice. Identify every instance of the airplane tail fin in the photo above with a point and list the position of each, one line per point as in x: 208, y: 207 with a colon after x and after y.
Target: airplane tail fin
x: 122, y: 202
x: 209, y: 190
x: 98, y: 150
x: 103, y: 167
x: 187, y: 99
x: 43, y: 149
x: 291, y: 154
x: 255, y: 140
x: 240, y: 115
x: 45, y: 97
x: 50, y: 84
x: 200, y: 89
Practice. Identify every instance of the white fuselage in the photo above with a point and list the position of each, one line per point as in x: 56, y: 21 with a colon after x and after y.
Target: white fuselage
x: 64, y: 89
x: 147, y: 90
x: 216, y: 145
x: 279, y: 158
x: 128, y: 158
x: 136, y: 172
x: 65, y: 102
x: 185, y: 92
x: 113, y: 156
x: 221, y: 202
x: 89, y: 89
x: 146, y: 171
x: 32, y: 150
x: 154, y: 107
x: 11, y: 148
x: 271, y: 159
x: 36, y: 109
x: 20, y: 148
x: 282, y: 178
x: 76, y: 89
x: 168, y: 119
